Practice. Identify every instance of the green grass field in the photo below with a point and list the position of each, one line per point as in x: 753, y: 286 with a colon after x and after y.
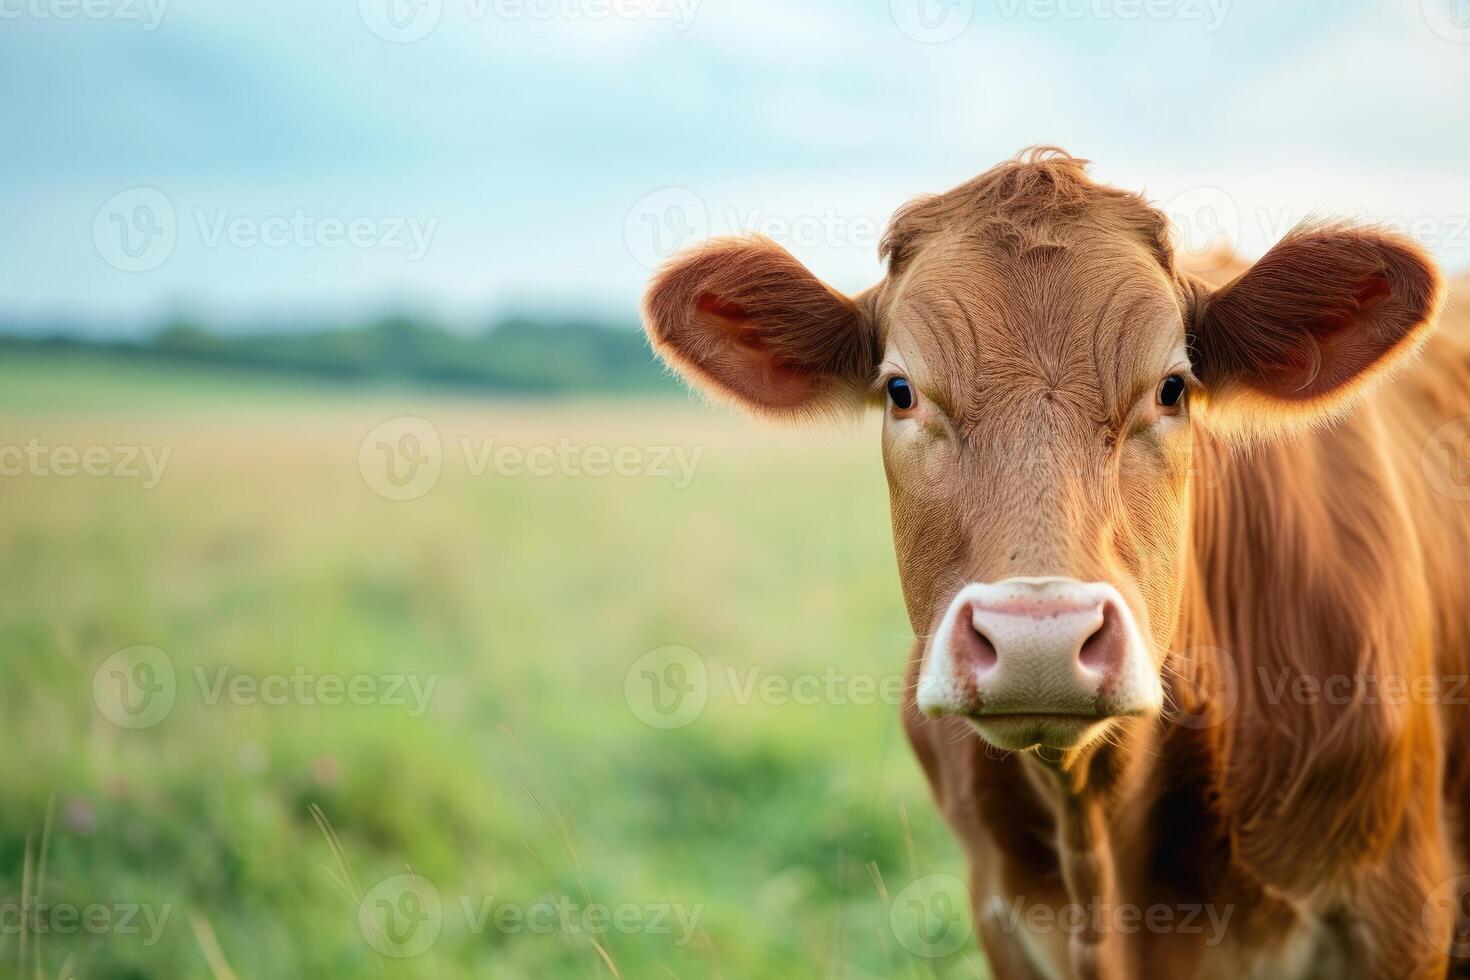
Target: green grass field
x: 492, y: 777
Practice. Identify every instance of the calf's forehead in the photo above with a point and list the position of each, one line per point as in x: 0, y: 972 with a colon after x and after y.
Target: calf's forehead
x: 1093, y: 317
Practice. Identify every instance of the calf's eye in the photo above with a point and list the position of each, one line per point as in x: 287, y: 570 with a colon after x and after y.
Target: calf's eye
x: 1171, y: 391
x: 900, y: 393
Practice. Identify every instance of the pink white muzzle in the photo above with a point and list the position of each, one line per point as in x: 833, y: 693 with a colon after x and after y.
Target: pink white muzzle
x: 1038, y: 661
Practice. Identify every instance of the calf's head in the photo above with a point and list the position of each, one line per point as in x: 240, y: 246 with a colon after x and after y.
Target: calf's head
x: 1045, y: 371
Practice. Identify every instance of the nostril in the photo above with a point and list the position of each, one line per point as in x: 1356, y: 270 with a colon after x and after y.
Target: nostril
x: 973, y: 648
x: 1103, y: 650
x: 985, y: 652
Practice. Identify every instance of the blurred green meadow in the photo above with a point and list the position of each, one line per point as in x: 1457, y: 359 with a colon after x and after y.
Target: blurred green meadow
x: 265, y: 722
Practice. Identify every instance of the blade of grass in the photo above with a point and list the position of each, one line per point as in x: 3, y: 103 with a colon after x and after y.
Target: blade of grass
x: 346, y: 882
x: 714, y: 960
x: 209, y: 946
x: 334, y: 844
x: 41, y: 871
x: 611, y: 966
x: 25, y: 907
x: 552, y: 814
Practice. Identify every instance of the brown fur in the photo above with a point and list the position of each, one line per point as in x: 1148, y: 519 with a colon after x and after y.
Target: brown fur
x: 1287, y: 529
x: 751, y: 322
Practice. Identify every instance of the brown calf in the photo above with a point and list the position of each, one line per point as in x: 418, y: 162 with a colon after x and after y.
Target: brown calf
x: 1189, y: 583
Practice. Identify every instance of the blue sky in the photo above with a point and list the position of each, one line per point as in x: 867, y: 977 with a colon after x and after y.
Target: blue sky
x: 270, y: 160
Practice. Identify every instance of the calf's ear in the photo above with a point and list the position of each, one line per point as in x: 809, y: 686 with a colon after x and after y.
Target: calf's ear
x: 1306, y: 331
x: 741, y: 319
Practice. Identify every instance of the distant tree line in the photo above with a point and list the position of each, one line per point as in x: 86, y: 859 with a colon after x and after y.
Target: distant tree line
x: 518, y: 353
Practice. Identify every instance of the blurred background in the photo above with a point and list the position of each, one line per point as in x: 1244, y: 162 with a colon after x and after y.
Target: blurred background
x: 374, y: 605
